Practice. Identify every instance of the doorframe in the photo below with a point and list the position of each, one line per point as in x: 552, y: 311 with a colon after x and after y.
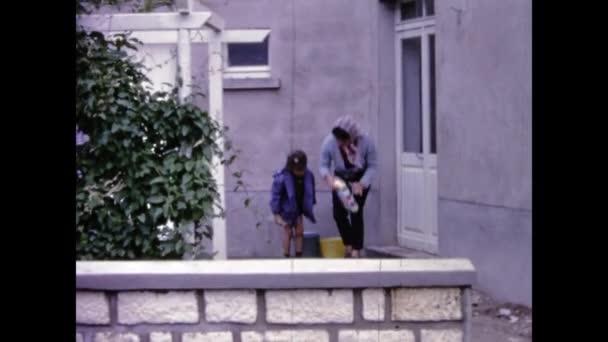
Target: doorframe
x: 419, y: 27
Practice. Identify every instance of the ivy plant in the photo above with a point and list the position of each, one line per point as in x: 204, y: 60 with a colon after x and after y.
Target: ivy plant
x: 143, y: 158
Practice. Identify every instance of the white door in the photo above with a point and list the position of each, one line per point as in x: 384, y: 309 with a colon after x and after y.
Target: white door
x: 416, y: 138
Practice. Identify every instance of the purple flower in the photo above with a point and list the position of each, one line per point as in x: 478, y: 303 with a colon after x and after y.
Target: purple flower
x: 81, y: 138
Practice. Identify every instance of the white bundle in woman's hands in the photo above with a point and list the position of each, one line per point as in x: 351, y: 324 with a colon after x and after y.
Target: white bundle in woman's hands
x: 345, y: 195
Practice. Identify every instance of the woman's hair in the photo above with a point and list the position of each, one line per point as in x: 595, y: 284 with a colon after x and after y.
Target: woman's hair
x: 346, y: 127
x: 296, y: 161
x: 340, y: 133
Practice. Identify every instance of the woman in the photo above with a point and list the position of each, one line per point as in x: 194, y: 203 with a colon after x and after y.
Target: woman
x: 353, y: 157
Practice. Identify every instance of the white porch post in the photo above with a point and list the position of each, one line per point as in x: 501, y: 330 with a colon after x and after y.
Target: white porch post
x: 184, y: 62
x: 216, y: 103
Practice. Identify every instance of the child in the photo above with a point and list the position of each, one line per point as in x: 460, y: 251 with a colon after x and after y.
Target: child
x: 293, y: 196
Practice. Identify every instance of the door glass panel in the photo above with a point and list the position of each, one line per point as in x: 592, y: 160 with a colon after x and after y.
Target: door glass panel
x: 433, y: 106
x: 411, y: 94
x: 429, y: 6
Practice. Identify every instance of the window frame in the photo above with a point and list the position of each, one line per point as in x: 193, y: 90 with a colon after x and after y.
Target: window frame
x: 421, y: 27
x: 423, y: 17
x: 247, y: 71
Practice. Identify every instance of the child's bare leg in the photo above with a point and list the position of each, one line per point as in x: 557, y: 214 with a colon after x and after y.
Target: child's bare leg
x: 287, y: 241
x: 299, y: 236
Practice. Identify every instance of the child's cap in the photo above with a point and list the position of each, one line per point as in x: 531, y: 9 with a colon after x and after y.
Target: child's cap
x: 297, y: 160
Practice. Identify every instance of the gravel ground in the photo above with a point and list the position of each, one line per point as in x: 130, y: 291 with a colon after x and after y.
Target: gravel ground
x: 495, y: 321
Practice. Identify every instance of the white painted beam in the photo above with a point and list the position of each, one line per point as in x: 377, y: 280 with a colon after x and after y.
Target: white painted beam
x: 153, y: 37
x: 215, y: 22
x: 216, y: 103
x: 199, y: 36
x: 231, y: 36
x: 245, y: 36
x: 144, y: 21
x: 183, y: 6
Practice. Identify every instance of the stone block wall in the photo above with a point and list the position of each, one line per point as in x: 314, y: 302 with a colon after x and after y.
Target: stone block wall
x: 125, y: 307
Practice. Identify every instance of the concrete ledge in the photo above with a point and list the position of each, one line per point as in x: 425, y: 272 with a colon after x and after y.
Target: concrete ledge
x: 251, y: 83
x: 397, y: 252
x: 273, y: 274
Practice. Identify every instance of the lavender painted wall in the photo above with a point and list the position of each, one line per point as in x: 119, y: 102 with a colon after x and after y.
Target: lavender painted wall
x: 484, y: 124
x: 331, y: 59
x: 337, y: 57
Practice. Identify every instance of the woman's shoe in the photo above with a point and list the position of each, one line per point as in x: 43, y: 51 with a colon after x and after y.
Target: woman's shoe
x: 347, y: 253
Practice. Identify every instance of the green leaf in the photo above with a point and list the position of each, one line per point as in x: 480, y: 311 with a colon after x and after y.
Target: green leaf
x: 166, y: 248
x: 189, y: 165
x: 146, y: 246
x: 142, y: 218
x: 157, y: 180
x: 185, y: 130
x: 156, y: 199
x: 156, y: 213
x: 186, y: 150
x: 189, y: 195
x: 124, y: 103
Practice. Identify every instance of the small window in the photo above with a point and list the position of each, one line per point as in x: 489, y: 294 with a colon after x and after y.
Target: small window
x: 248, y: 54
x: 248, y: 60
x: 412, y: 9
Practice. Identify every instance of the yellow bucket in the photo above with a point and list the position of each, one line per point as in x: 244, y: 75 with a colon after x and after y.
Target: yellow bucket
x: 332, y: 248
